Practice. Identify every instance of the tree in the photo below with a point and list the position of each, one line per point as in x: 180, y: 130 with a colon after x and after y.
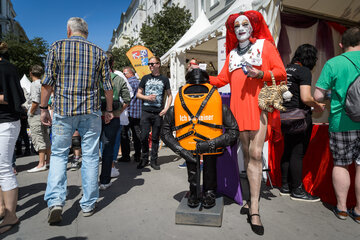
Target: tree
x: 162, y: 31
x: 119, y: 54
x: 25, y: 53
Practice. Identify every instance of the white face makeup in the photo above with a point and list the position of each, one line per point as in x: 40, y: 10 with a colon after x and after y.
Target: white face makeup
x: 243, y: 28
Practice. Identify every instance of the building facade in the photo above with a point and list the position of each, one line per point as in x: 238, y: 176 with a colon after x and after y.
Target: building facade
x: 137, y: 13
x: 8, y: 24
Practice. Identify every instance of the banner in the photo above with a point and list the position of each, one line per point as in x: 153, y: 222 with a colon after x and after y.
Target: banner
x: 139, y: 58
x: 221, y: 61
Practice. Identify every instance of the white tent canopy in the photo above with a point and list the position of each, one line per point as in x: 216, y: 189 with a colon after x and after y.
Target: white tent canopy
x: 25, y: 83
x: 200, y: 23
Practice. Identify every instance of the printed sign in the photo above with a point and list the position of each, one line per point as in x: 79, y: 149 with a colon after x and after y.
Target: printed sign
x: 139, y: 58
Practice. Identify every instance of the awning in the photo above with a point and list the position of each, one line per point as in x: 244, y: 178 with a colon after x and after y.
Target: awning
x: 201, y: 23
x: 344, y: 11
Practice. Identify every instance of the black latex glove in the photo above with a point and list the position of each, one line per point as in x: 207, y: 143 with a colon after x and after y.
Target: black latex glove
x: 187, y: 155
x: 201, y: 146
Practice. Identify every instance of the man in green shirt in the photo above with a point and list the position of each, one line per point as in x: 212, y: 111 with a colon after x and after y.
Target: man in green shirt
x: 338, y: 73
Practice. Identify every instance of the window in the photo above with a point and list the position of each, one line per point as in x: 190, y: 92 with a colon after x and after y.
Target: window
x: 213, y: 4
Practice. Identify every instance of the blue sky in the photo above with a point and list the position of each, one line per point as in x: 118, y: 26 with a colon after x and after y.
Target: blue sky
x: 48, y: 18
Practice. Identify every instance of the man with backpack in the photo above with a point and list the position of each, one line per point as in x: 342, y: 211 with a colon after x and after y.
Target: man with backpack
x: 338, y: 75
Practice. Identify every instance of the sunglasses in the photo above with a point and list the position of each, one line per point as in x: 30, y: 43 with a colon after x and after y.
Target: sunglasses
x: 152, y: 64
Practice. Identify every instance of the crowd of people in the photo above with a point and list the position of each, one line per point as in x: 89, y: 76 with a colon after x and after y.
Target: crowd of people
x: 90, y: 98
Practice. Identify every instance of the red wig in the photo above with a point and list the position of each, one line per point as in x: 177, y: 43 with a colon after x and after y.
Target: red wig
x: 260, y: 29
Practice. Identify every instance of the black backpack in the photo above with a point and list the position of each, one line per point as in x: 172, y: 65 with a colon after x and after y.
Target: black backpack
x: 352, y: 99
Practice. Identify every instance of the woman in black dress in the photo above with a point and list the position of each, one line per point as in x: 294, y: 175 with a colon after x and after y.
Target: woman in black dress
x: 295, y: 145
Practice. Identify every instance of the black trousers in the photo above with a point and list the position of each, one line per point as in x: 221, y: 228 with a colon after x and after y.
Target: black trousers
x: 23, y: 136
x: 209, y: 174
x: 150, y: 122
x: 134, y: 126
x: 108, y: 137
x: 295, y: 147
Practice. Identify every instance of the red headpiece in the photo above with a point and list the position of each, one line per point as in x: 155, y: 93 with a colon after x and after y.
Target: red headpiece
x: 260, y: 29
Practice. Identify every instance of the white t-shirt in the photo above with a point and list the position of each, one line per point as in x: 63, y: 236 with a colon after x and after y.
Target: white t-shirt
x: 35, y: 94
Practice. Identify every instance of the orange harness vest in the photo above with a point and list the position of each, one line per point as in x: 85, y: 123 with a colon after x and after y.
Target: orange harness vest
x: 198, y: 118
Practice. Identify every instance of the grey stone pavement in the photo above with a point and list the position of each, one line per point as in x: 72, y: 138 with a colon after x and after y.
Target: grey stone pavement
x: 141, y: 204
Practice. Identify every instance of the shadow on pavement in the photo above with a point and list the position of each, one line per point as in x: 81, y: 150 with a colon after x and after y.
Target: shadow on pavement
x: 25, y: 167
x: 37, y: 202
x: 13, y: 230
x: 126, y: 180
x: 64, y: 238
x: 228, y: 201
x: 179, y: 195
x: 265, y: 192
x: 167, y: 159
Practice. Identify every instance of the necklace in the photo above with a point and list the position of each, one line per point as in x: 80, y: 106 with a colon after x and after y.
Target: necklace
x: 242, y: 51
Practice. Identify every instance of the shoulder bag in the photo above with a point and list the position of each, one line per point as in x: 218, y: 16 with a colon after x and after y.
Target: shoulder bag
x: 293, y: 121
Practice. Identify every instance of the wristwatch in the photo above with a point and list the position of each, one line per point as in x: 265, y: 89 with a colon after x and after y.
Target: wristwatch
x: 45, y: 108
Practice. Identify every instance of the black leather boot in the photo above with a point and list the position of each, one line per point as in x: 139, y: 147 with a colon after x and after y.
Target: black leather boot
x: 142, y: 164
x: 209, y: 199
x: 193, y: 200
x: 154, y: 166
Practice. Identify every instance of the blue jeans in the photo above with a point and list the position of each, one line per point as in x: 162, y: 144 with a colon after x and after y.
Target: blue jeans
x: 116, y: 145
x: 108, y: 137
x: 117, y: 142
x: 89, y: 127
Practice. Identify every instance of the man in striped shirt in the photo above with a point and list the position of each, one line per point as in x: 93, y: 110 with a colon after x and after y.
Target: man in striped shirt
x: 134, y: 120
x: 75, y: 68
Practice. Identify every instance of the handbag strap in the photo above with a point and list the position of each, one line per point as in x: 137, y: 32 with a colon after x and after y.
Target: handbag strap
x: 351, y: 62
x: 338, y: 95
x: 272, y: 80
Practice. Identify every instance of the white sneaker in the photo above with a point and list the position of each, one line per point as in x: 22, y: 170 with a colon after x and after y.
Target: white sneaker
x: 74, y: 165
x: 104, y: 186
x: 114, y: 172
x: 37, y: 169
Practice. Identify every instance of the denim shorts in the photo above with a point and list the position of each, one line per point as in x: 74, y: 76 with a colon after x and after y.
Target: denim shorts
x: 345, y: 147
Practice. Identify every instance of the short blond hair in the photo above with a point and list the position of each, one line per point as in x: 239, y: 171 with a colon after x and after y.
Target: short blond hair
x: 156, y: 58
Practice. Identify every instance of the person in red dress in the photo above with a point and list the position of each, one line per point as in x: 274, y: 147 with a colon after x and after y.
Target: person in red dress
x: 251, y: 55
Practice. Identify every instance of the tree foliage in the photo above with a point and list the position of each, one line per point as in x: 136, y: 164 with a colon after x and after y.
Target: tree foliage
x: 25, y: 53
x: 119, y: 54
x: 165, y: 28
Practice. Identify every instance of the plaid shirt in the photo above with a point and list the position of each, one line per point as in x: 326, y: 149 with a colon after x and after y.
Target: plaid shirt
x: 76, y: 67
x: 135, y: 104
